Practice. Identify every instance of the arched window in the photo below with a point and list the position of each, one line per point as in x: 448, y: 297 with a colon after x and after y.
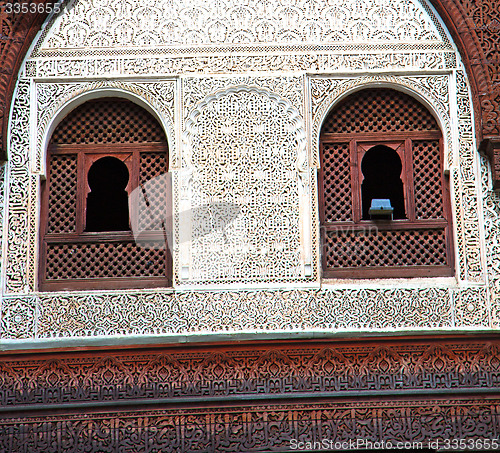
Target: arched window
x: 384, y: 198
x: 97, y: 156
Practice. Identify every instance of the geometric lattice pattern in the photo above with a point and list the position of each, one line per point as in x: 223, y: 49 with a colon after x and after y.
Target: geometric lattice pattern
x: 337, y: 190
x: 379, y: 110
x: 381, y: 116
x: 104, y: 121
x: 108, y: 120
x: 427, y: 179
x: 62, y: 193
x: 103, y: 260
x: 385, y: 248
x: 153, y: 164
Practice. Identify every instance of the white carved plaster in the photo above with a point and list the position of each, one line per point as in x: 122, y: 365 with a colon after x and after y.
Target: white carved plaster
x: 109, y: 38
x: 59, y: 74
x: 55, y: 100
x: 246, y: 149
x: 102, y: 24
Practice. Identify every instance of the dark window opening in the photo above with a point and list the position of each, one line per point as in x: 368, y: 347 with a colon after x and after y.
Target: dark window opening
x: 381, y: 168
x: 107, y: 202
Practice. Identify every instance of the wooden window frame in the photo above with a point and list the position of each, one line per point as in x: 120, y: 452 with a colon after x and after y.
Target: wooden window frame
x: 359, y: 143
x: 87, y: 154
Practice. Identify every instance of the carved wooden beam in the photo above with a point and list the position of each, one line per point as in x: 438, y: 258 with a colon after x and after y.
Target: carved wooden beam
x: 252, y: 396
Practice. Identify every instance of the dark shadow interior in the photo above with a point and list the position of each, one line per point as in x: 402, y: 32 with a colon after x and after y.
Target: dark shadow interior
x: 381, y: 167
x: 107, y: 202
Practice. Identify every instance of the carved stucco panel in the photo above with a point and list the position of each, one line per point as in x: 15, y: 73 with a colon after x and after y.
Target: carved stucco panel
x: 108, y: 38
x: 469, y: 174
x: 19, y: 318
x: 244, y: 148
x: 491, y: 208
x: 3, y: 188
x: 375, y: 60
x: 136, y: 312
x: 20, y: 226
x: 325, y: 91
x: 98, y: 24
x: 472, y: 307
x: 185, y: 312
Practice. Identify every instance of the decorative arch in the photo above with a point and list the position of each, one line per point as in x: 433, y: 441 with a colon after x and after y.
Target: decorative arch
x: 470, y: 32
x: 70, y: 96
x: 107, y: 147
x: 294, y: 116
x: 418, y: 87
x: 384, y: 180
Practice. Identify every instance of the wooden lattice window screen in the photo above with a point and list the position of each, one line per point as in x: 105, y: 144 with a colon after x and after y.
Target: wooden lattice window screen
x: 73, y: 258
x: 355, y: 247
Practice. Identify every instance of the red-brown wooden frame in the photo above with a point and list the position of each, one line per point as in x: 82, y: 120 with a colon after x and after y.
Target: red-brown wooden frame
x: 411, y: 223
x: 86, y: 156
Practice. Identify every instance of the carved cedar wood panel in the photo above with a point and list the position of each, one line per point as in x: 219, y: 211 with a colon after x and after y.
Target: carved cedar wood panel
x: 110, y: 125
x: 382, y: 115
x: 258, y: 428
x: 377, y: 374
x: 276, y: 370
